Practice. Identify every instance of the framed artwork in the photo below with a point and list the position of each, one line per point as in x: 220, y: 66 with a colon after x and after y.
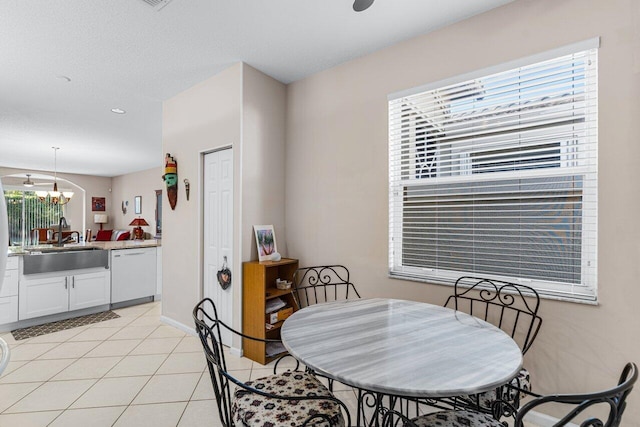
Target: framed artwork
x: 137, y: 204
x: 98, y: 204
x: 265, y: 241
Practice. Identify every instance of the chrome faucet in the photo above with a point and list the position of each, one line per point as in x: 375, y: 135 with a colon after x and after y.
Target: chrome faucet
x: 61, y: 223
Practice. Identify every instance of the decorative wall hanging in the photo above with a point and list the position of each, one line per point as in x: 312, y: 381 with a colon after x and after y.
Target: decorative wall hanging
x: 171, y: 179
x: 224, y: 275
x: 137, y: 205
x: 98, y: 204
x: 124, y: 207
x: 266, y: 242
x: 187, y: 185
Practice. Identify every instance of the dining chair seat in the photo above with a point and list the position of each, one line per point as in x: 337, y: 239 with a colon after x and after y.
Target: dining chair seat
x: 456, y: 419
x: 287, y: 399
x: 250, y: 409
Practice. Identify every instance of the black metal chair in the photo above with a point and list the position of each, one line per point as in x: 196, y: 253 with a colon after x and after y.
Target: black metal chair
x: 514, y: 309
x: 600, y: 409
x: 323, y: 283
x: 292, y: 398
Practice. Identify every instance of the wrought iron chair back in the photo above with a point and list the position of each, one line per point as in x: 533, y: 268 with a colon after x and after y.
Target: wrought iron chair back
x: 511, y: 307
x: 612, y: 404
x: 208, y: 327
x: 323, y: 283
x: 614, y: 401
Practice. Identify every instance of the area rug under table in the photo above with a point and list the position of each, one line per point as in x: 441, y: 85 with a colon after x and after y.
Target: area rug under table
x: 61, y: 325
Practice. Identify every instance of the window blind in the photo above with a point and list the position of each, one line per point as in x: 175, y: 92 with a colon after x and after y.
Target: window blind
x: 495, y: 175
x: 26, y: 212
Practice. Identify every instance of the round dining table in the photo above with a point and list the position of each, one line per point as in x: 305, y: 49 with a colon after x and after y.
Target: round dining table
x: 402, y: 348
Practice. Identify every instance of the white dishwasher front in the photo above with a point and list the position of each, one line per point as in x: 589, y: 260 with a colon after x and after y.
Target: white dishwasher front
x: 133, y: 274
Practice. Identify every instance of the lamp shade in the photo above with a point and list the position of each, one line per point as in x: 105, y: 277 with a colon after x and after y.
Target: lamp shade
x: 100, y: 218
x: 139, y: 222
x: 137, y: 231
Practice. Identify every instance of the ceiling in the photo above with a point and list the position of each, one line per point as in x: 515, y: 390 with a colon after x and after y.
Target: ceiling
x: 66, y: 64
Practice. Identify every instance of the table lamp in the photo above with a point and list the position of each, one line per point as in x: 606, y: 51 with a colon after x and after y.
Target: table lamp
x: 100, y: 219
x: 137, y: 231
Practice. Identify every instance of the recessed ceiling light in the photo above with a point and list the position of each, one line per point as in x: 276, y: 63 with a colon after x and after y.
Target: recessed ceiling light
x: 118, y: 111
x: 64, y: 78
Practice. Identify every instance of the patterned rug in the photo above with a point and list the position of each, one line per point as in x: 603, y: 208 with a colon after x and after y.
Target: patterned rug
x: 61, y: 325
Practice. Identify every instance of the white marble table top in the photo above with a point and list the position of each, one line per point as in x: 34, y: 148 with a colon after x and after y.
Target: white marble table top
x: 402, y: 348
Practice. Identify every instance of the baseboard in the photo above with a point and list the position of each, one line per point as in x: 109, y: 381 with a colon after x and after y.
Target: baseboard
x: 192, y: 331
x: 123, y: 304
x: 543, y: 420
x: 184, y: 328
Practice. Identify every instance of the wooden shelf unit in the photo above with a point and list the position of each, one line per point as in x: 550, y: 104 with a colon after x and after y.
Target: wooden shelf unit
x: 259, y: 286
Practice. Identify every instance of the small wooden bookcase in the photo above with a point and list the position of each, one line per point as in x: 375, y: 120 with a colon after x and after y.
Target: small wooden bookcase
x: 259, y: 286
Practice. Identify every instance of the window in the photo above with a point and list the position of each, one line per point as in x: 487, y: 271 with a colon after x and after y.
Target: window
x: 495, y: 175
x: 26, y: 212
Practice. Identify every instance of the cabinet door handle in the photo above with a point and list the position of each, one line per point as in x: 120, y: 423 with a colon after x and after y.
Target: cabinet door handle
x: 73, y: 282
x: 66, y: 283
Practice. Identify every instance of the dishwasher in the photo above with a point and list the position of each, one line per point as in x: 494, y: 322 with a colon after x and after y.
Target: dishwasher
x: 133, y: 275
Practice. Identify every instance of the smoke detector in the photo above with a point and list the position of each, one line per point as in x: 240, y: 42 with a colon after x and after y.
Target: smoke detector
x: 157, y: 4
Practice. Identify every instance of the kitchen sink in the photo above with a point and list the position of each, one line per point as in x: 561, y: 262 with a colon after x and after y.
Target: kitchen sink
x: 56, y: 249
x: 50, y: 259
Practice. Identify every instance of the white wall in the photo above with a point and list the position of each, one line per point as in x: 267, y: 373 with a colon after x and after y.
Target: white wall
x: 337, y: 188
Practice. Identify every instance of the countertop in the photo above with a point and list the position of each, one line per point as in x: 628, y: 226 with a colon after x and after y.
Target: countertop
x: 124, y: 244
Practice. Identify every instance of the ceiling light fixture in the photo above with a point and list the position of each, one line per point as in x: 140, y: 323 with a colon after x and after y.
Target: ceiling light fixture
x: 118, y: 111
x: 361, y: 5
x: 28, y: 182
x: 55, y: 196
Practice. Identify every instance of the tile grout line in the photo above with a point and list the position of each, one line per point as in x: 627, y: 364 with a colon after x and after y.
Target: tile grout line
x: 141, y: 388
x: 44, y: 382
x: 171, y: 351
x: 97, y: 380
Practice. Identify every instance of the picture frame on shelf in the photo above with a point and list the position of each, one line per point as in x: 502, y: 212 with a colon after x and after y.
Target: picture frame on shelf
x: 265, y: 242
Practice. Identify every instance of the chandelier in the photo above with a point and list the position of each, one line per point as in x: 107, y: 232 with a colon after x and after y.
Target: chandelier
x: 55, y: 197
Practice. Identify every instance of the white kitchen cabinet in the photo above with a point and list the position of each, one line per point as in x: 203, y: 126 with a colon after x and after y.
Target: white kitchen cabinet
x: 41, y: 296
x: 9, y: 292
x: 89, y: 290
x: 51, y: 293
x: 8, y: 310
x: 10, y: 284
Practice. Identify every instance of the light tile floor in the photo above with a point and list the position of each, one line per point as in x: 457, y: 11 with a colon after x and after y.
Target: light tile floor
x: 131, y: 371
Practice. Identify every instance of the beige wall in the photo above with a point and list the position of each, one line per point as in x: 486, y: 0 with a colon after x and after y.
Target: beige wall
x: 201, y: 119
x: 263, y: 165
x: 336, y: 172
x: 245, y: 109
x: 144, y: 184
x: 76, y: 211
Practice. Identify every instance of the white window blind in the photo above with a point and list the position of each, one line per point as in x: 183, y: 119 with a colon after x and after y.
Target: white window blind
x: 495, y: 175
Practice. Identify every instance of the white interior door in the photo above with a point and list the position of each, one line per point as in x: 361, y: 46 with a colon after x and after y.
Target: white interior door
x: 218, y: 233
